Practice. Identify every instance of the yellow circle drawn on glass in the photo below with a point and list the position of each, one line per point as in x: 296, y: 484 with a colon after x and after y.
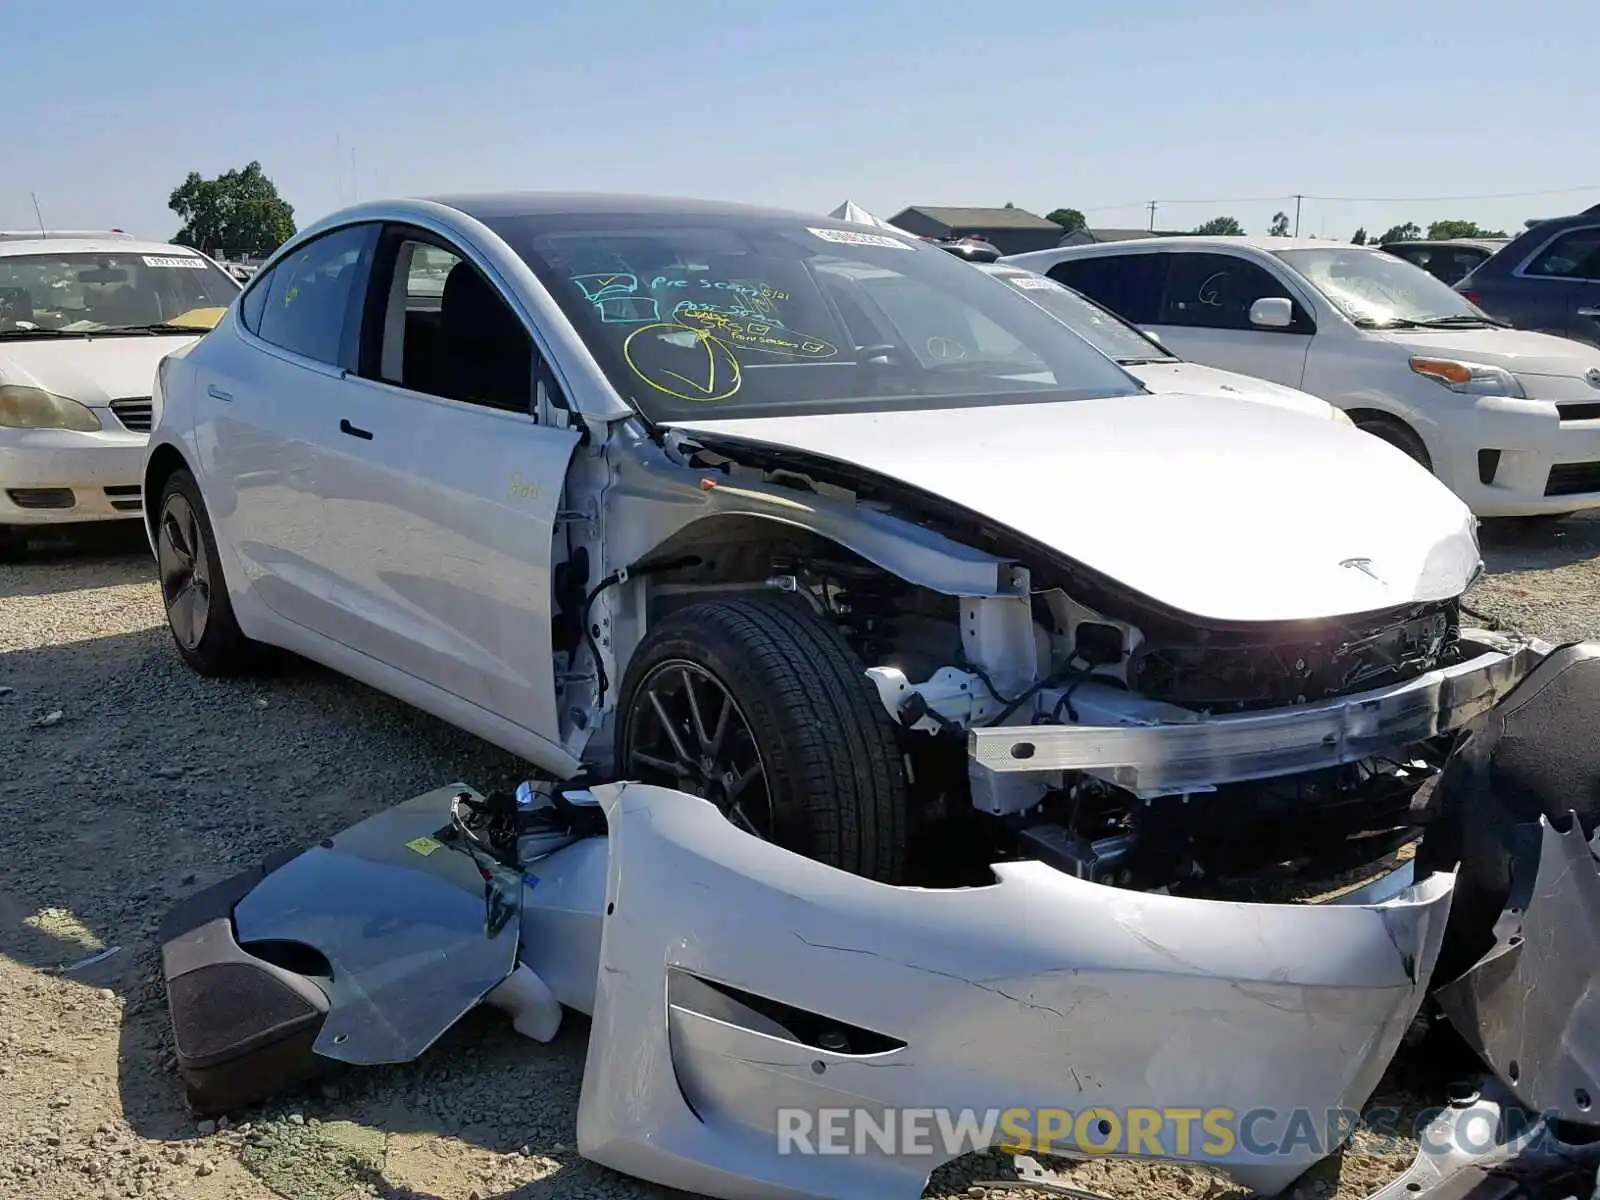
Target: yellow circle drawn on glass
x: 720, y: 379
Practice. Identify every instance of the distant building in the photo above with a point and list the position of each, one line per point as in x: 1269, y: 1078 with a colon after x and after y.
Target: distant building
x: 1085, y: 237
x: 1010, y: 230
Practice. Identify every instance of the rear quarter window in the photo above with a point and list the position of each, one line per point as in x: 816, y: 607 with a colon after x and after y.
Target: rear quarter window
x: 1130, y: 285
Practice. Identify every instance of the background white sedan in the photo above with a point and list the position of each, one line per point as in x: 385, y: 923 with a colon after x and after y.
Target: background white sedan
x: 1509, y: 419
x: 83, y: 323
x: 1142, y: 356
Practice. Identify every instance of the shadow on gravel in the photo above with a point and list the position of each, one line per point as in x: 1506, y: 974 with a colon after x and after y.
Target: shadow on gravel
x: 79, y: 558
x: 1521, y: 546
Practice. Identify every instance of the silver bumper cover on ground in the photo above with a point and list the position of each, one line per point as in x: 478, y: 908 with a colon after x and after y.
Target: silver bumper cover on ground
x: 1199, y: 752
x: 1038, y: 994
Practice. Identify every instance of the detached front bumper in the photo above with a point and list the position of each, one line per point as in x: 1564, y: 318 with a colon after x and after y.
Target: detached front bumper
x: 752, y: 1002
x: 1122, y: 740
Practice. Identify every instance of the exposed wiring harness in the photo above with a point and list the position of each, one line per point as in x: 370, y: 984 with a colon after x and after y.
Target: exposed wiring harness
x: 611, y: 580
x: 1008, y: 708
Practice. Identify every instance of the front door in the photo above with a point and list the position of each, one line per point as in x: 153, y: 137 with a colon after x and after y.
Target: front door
x: 1205, y: 317
x: 264, y: 393
x: 440, y: 486
x: 1585, y: 323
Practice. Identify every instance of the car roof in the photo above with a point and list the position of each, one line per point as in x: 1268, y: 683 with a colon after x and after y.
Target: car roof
x: 1256, y: 244
x: 1481, y: 243
x: 110, y: 244
x: 493, y: 206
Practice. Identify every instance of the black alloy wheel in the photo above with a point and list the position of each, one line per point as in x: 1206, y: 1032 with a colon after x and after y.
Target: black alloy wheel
x: 689, y: 734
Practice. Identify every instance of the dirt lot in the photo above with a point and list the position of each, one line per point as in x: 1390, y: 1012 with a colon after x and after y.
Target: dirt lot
x: 126, y: 782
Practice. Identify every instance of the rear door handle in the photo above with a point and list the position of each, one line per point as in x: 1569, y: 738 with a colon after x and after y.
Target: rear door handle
x: 217, y: 393
x: 1589, y: 312
x: 346, y: 427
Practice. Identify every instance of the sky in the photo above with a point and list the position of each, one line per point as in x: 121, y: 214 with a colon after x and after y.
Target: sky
x: 1420, y: 110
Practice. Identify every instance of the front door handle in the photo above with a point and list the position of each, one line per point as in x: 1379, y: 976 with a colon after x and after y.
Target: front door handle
x: 346, y: 427
x: 1589, y: 312
x: 217, y: 393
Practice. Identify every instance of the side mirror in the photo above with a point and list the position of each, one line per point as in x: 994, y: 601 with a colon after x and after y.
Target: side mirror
x: 1154, y: 337
x: 1272, y: 312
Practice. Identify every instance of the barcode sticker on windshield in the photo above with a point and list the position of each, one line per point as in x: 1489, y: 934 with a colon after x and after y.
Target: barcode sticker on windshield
x: 849, y: 237
x: 1033, y: 283
x: 189, y: 261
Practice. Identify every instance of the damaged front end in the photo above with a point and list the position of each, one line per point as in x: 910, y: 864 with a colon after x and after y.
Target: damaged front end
x: 752, y: 1007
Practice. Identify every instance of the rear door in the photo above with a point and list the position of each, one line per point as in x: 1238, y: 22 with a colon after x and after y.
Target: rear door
x: 441, y: 484
x: 263, y: 401
x: 1557, y: 283
x: 1205, y: 317
x: 1129, y: 284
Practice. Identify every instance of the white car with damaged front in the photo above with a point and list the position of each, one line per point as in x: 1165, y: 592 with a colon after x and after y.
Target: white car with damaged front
x: 851, y: 562
x: 83, y: 323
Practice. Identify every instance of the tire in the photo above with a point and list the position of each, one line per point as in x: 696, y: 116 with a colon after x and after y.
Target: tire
x: 193, y: 591
x: 13, y: 544
x: 830, y: 765
x: 1397, y: 435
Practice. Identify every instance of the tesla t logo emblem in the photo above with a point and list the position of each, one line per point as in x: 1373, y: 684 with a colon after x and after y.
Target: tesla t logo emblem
x: 1593, y: 376
x: 1364, y: 565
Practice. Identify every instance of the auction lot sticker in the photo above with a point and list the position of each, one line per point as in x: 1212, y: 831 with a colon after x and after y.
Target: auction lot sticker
x: 189, y: 261
x: 850, y: 237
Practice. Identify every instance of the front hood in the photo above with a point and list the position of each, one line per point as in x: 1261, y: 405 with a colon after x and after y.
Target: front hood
x: 1520, y: 351
x: 1196, y: 380
x: 1219, y: 507
x: 92, y: 371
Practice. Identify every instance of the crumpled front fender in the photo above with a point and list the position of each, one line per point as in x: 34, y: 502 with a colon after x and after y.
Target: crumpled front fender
x: 738, y: 980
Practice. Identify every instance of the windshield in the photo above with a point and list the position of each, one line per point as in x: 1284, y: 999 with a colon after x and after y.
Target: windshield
x: 82, y: 292
x: 1107, y: 333
x: 1371, y: 287
x: 697, y: 316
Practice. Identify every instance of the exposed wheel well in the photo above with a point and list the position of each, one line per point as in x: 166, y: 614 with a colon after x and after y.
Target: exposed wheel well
x: 164, y: 460
x: 1393, y: 430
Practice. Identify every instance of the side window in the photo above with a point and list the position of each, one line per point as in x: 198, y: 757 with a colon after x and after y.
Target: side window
x: 253, y: 302
x: 1215, y: 291
x: 1128, y: 284
x: 314, y: 294
x: 1573, y: 255
x: 448, y: 332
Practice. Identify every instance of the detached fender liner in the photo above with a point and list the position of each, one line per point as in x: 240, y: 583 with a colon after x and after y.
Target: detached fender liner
x: 242, y: 1027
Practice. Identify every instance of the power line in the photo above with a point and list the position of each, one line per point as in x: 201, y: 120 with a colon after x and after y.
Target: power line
x: 1145, y: 204
x: 1592, y: 187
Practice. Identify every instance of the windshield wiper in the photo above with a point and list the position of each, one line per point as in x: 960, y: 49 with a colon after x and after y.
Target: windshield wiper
x: 1145, y: 362
x: 1464, y: 320
x: 1459, y: 321
x: 155, y: 327
x: 19, y: 334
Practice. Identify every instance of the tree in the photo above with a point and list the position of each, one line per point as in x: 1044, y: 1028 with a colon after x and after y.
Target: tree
x: 1360, y: 238
x: 1441, y: 230
x: 1226, y: 226
x: 1409, y: 232
x: 1009, y: 204
x: 1070, y: 219
x: 1279, y: 226
x: 238, y: 210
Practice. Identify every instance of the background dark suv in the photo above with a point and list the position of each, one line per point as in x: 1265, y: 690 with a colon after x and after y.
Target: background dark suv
x: 1547, y: 279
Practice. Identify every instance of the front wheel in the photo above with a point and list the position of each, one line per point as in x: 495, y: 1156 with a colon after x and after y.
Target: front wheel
x: 761, y: 707
x: 1398, y: 435
x: 199, y: 611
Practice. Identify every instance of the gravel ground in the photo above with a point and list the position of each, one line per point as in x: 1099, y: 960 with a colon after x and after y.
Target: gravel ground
x: 129, y: 783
